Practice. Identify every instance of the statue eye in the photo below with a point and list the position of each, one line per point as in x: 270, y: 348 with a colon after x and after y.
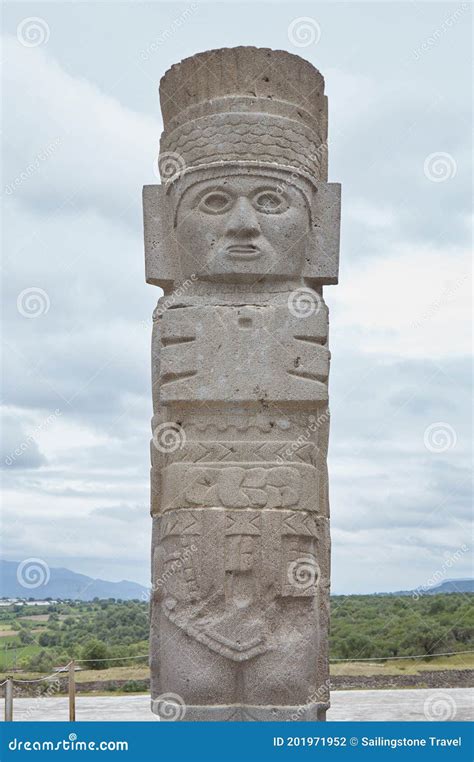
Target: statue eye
x: 270, y: 202
x: 215, y: 202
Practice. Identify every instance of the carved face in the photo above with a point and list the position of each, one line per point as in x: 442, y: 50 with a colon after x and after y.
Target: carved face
x: 244, y: 226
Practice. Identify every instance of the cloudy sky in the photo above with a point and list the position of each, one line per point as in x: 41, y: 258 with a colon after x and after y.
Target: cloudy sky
x: 81, y: 133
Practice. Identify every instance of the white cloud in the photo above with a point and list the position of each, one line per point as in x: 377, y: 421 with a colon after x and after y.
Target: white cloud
x: 370, y: 215
x: 413, y: 301
x: 100, y: 152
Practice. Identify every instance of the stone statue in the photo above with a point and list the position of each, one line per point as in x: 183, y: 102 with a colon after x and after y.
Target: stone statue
x: 241, y: 236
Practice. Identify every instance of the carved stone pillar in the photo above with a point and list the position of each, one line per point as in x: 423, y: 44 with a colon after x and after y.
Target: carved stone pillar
x: 241, y: 236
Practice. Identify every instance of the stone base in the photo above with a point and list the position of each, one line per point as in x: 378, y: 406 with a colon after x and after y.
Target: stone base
x: 245, y: 713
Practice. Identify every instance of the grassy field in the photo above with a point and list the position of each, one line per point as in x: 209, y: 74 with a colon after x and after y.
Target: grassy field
x: 404, y: 666
x: 16, y: 653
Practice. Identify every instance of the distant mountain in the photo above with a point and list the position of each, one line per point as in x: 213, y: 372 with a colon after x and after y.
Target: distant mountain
x: 41, y: 582
x: 448, y: 586
x: 60, y: 583
x: 452, y: 586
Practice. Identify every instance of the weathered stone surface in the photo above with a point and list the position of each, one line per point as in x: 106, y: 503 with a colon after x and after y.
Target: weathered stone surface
x: 242, y: 236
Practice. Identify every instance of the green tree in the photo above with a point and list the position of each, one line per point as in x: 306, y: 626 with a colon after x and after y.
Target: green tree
x: 26, y: 637
x: 93, y: 652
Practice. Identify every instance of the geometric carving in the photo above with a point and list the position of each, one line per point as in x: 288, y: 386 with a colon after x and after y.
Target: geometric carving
x: 247, y: 523
x: 180, y: 523
x: 235, y: 451
x: 239, y: 486
x: 296, y: 358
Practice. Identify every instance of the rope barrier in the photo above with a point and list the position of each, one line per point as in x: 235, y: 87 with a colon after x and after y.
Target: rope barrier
x: 332, y: 661
x: 57, y: 675
x: 114, y: 658
x: 392, y: 658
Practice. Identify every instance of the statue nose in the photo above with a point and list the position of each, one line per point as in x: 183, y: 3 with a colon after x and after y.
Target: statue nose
x: 242, y: 221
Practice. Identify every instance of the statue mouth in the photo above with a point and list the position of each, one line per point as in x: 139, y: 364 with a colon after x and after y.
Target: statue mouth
x: 245, y: 251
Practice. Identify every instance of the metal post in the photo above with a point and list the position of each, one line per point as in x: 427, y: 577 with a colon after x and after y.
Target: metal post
x: 9, y: 699
x: 72, y: 692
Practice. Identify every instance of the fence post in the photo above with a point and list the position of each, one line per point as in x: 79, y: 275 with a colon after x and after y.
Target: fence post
x: 72, y: 692
x: 9, y: 699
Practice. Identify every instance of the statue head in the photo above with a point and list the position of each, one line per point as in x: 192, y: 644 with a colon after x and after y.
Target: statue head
x: 241, y: 223
x: 243, y: 164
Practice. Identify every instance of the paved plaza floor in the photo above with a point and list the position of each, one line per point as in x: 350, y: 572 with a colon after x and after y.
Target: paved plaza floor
x: 420, y: 704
